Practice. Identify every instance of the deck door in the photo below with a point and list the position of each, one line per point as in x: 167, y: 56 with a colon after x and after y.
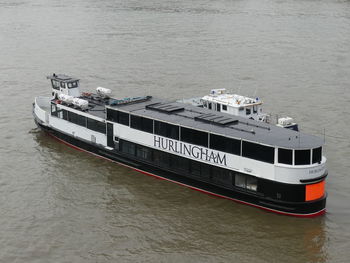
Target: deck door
x: 110, y: 141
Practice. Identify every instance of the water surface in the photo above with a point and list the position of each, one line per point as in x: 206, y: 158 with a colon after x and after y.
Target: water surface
x: 61, y: 205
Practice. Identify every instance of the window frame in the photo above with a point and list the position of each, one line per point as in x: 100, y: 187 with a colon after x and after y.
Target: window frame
x: 252, y: 153
x: 281, y: 159
x: 194, y: 139
x: 298, y: 160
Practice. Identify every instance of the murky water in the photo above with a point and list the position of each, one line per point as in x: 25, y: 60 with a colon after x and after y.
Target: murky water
x: 61, y: 205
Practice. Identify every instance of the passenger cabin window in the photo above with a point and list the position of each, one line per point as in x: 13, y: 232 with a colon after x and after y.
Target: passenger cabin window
x: 141, y: 123
x: 194, y: 136
x: 195, y: 168
x: 247, y: 111
x: 317, y: 155
x: 143, y: 153
x: 76, y: 118
x: 118, y: 116
x: 302, y: 157
x: 209, y: 105
x: 255, y: 109
x: 258, y: 152
x: 246, y: 182
x: 54, y: 111
x: 285, y: 156
x: 224, y: 107
x: 161, y: 159
x: 221, y: 176
x: 65, y: 115
x: 225, y: 144
x: 218, y: 107
x: 127, y: 147
x: 96, y: 125
x: 180, y: 163
x: 166, y: 130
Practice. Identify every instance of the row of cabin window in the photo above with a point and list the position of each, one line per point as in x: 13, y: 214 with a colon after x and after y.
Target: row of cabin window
x: 250, y: 150
x: 220, y: 143
x: 215, y: 106
x: 301, y: 157
x: 79, y: 120
x: 214, y: 175
x: 57, y: 84
x: 193, y: 168
x: 218, y: 107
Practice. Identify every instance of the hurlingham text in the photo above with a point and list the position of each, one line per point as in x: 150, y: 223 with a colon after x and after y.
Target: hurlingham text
x: 193, y: 151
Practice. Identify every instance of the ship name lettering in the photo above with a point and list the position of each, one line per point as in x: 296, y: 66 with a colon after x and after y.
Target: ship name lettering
x: 185, y: 149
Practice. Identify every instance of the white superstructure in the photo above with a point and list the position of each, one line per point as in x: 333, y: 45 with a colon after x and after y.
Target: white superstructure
x: 238, y: 105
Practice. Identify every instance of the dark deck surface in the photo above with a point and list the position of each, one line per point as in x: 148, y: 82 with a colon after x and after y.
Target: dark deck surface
x: 236, y: 127
x: 207, y: 120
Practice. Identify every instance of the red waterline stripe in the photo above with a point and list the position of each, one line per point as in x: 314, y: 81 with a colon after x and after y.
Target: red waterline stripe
x: 321, y: 212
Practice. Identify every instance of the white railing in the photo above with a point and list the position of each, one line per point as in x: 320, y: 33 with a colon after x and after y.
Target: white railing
x: 42, y: 108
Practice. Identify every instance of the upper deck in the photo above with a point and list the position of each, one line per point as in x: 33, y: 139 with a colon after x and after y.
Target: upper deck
x: 202, y: 119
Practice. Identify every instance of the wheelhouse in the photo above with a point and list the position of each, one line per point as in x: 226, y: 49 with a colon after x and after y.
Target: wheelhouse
x: 63, y: 84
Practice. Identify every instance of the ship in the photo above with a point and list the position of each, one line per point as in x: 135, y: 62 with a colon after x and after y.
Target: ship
x: 240, y: 159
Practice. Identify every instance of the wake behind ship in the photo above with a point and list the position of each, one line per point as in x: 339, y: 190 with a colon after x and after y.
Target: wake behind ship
x: 251, y: 162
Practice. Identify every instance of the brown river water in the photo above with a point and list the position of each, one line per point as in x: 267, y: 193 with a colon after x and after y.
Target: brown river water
x: 61, y: 205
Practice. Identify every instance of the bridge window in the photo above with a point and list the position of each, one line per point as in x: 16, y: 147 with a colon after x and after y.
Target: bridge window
x: 225, y: 144
x: 141, y: 123
x: 194, y: 136
x: 224, y: 107
x: 302, y: 157
x: 218, y: 107
x: 166, y: 130
x: 258, y: 152
x: 72, y: 84
x: 317, y: 155
x: 247, y: 111
x: 55, y: 84
x: 285, y: 156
